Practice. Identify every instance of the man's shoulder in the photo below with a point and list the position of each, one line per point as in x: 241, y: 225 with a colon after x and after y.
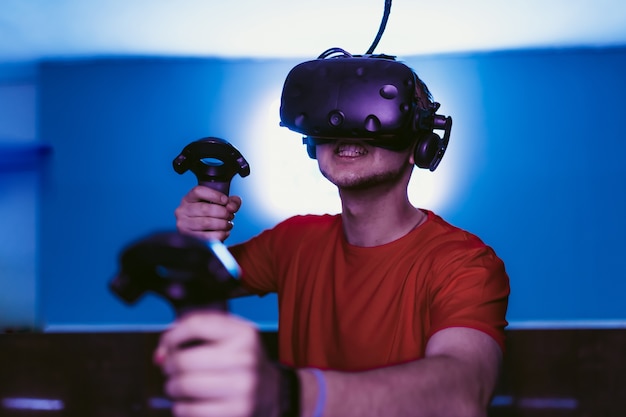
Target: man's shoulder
x: 447, y: 241
x: 443, y: 229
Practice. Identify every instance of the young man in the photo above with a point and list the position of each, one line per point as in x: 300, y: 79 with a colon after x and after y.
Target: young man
x: 385, y: 309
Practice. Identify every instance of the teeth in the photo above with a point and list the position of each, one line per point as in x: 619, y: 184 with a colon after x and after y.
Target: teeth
x: 350, y: 150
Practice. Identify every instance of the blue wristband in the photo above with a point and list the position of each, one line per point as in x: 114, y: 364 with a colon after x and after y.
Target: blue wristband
x: 321, y: 395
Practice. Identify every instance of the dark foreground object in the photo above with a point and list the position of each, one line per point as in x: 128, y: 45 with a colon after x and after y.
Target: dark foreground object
x: 551, y: 373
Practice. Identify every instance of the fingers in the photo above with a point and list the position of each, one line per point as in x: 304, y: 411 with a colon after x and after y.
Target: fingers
x: 209, y: 195
x: 205, y: 227
x: 205, y: 386
x: 212, y: 409
x: 208, y: 326
x: 206, y: 358
x: 218, y: 377
x: 227, y: 342
x: 207, y: 213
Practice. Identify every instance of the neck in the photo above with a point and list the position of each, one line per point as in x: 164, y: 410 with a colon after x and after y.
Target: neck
x: 372, y: 218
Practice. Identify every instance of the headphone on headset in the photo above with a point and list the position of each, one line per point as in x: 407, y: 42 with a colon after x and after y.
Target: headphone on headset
x: 368, y: 97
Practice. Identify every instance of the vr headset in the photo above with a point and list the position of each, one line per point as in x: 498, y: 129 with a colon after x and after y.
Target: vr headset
x: 367, y: 97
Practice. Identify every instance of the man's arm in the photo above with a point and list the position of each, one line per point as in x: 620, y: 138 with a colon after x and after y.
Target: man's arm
x: 456, y: 378
x: 231, y: 376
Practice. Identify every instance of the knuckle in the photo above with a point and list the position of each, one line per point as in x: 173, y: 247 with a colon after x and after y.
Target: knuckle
x: 249, y: 341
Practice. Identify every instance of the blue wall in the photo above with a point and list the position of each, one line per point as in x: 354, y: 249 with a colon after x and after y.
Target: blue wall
x: 550, y: 186
x: 534, y: 168
x: 19, y: 194
x: 115, y: 127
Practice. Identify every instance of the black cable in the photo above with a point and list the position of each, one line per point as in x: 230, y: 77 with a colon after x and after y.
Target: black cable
x: 332, y: 51
x: 383, y: 24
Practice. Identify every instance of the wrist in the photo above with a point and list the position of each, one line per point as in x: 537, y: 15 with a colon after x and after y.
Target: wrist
x: 320, y: 403
x: 313, y: 393
x: 289, y: 392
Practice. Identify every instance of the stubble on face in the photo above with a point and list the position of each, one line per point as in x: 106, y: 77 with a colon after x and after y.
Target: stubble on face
x: 357, y: 171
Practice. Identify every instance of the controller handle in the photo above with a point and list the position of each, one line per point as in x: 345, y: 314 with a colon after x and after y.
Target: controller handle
x: 214, y: 161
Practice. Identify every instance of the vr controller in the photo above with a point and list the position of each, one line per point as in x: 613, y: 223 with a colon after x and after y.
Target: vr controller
x: 188, y: 272
x: 369, y: 97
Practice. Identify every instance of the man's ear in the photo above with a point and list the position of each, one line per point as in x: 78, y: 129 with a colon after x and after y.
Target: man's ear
x: 412, y: 153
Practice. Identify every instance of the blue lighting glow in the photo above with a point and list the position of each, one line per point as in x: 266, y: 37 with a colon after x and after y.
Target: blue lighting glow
x: 40, y: 404
x: 535, y: 403
x: 227, y: 259
x: 159, y: 403
x: 289, y: 181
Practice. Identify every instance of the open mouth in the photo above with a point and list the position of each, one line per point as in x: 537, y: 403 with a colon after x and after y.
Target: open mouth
x: 350, y: 150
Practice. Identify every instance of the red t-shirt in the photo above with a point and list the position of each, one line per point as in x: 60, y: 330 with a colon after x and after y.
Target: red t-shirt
x: 353, y: 308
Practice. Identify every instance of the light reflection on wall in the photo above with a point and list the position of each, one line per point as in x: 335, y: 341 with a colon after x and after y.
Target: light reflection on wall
x: 288, y: 179
x: 291, y: 182
x: 433, y: 190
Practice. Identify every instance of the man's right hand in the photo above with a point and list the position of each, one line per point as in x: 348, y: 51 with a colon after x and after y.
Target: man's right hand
x: 206, y: 213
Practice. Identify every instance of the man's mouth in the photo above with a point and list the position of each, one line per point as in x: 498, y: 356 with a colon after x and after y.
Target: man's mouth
x: 350, y: 150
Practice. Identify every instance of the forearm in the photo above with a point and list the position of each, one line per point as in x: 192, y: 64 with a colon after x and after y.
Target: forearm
x: 436, y: 386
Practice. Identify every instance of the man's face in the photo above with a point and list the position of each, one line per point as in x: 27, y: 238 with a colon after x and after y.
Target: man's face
x: 355, y: 164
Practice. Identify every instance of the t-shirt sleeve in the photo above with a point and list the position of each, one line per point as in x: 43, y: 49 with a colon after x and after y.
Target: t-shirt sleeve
x: 471, y: 291
x: 263, y: 258
x: 256, y: 261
